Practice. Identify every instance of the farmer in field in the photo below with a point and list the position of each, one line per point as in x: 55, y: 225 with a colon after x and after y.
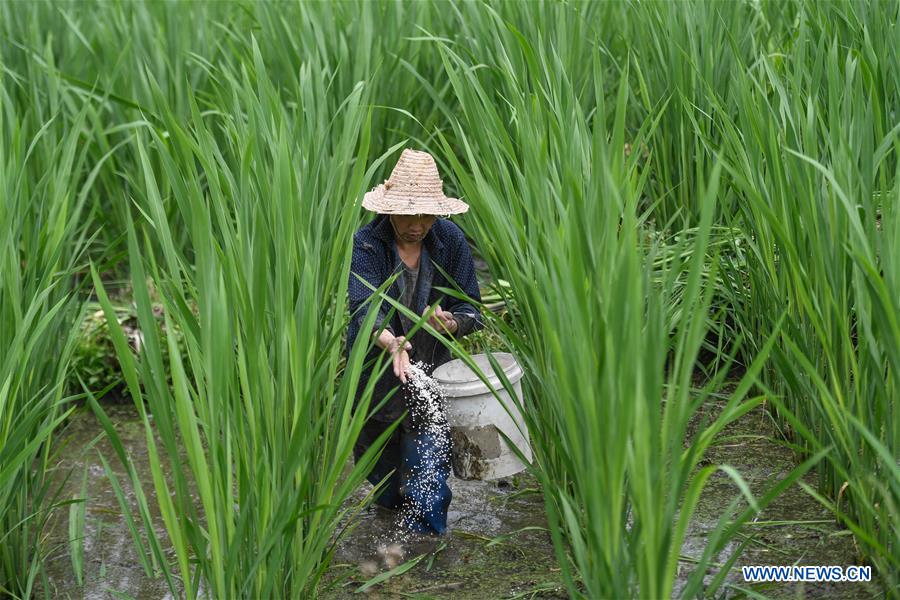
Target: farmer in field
x: 408, y: 236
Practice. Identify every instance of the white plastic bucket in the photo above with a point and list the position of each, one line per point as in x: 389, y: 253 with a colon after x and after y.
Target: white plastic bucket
x: 476, y: 416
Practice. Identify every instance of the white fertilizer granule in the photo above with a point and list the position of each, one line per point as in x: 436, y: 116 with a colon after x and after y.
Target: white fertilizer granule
x: 427, y: 405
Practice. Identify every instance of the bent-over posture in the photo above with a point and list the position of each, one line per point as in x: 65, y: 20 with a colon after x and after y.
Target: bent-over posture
x: 408, y: 236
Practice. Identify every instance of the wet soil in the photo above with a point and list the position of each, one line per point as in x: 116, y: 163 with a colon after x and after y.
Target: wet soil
x: 112, y: 567
x: 498, y: 546
x: 468, y: 563
x: 793, y: 530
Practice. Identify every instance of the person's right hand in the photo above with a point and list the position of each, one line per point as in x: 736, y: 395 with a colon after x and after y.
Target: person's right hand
x: 400, y: 348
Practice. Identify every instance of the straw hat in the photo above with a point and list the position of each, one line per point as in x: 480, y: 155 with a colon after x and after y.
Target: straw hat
x: 414, y: 187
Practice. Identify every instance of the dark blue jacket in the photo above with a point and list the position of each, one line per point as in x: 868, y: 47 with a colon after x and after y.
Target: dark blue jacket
x: 375, y: 259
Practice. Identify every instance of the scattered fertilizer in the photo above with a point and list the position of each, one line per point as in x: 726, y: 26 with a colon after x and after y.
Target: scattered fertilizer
x: 427, y: 405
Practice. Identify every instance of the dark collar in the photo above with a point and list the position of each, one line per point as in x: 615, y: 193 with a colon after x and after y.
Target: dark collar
x: 383, y: 230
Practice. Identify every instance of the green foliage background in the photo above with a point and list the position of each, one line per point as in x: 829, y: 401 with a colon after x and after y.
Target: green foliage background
x: 657, y: 182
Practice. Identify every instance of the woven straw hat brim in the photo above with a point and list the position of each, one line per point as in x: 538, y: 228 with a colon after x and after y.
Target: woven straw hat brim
x: 414, y: 187
x: 381, y: 201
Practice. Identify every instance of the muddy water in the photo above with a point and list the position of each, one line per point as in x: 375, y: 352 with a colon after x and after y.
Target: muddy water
x: 474, y: 561
x: 112, y: 568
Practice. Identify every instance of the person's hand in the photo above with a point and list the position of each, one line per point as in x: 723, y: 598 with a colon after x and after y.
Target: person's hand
x: 400, y: 348
x: 442, y: 320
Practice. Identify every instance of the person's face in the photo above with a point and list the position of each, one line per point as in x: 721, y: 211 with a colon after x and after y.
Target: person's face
x: 412, y: 228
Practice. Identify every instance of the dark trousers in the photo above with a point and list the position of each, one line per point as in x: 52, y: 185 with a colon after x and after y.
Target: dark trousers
x: 416, y: 465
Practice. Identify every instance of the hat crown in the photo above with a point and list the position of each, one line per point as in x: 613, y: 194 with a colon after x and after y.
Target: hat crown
x: 414, y: 169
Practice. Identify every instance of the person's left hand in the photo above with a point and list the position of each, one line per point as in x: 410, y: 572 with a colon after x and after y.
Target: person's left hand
x: 442, y: 320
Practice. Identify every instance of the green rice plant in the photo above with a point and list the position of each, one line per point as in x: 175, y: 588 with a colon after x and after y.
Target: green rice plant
x: 133, y: 62
x: 69, y: 57
x: 812, y: 158
x: 250, y: 473
x: 608, y: 373
x: 94, y: 363
x: 76, y: 529
x: 682, y: 56
x: 44, y: 184
x: 219, y: 143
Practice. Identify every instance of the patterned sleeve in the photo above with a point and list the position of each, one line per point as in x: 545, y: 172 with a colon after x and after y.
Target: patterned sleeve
x: 463, y: 273
x: 365, y: 264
